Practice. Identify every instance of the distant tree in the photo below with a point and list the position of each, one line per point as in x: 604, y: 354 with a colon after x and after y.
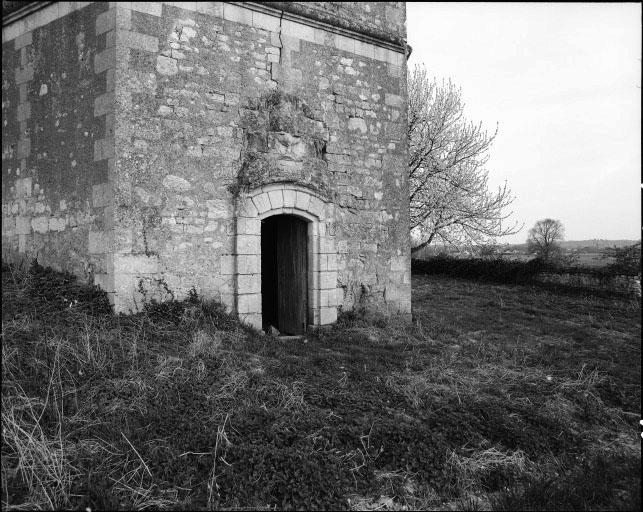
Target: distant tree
x: 543, y: 240
x: 627, y: 260
x: 450, y: 202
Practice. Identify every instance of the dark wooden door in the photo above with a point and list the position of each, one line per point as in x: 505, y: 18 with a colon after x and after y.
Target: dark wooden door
x: 284, y: 269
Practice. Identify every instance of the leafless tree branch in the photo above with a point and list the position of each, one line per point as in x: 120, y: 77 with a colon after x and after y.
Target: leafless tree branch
x: 449, y: 196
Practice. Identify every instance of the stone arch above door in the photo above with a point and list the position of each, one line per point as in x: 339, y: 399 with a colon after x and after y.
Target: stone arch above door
x: 285, y: 198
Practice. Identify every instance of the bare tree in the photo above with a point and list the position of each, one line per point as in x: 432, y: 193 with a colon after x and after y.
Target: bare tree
x: 450, y: 200
x: 543, y: 239
x: 626, y: 260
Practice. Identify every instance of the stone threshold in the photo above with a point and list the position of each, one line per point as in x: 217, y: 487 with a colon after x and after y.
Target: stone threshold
x: 297, y: 337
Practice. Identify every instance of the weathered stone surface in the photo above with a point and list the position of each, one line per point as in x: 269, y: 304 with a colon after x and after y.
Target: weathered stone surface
x: 100, y: 242
x: 23, y: 225
x: 250, y: 282
x: 101, y: 195
x: 176, y: 183
x: 40, y: 224
x: 248, y: 264
x: 248, y: 244
x: 133, y: 264
x: 104, y: 60
x: 166, y: 65
x: 249, y: 303
x: 276, y: 199
x: 186, y: 124
x: 394, y: 100
x: 357, y: 123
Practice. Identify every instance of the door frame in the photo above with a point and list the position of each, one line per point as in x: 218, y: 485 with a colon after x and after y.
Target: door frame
x: 275, y: 199
x: 287, y: 217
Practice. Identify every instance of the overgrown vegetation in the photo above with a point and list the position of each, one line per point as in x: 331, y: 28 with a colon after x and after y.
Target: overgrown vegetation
x: 502, y: 397
x: 499, y: 270
x: 484, y: 269
x: 626, y: 260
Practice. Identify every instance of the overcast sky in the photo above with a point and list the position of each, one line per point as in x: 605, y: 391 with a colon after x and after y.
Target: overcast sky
x: 563, y: 81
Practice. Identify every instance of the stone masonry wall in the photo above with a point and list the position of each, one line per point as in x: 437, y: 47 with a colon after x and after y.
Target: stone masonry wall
x: 385, y: 20
x: 622, y: 284
x: 55, y: 198
x: 220, y: 99
x: 143, y: 142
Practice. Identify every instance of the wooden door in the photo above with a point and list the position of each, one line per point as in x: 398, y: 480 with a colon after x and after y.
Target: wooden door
x: 284, y: 268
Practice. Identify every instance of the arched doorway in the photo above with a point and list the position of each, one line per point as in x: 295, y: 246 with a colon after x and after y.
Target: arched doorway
x: 284, y: 273
x: 319, y: 214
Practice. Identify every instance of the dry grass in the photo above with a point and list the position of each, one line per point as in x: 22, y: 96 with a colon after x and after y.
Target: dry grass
x: 470, y: 468
x: 230, y: 385
x: 39, y: 457
x: 480, y: 371
x: 559, y: 407
x: 50, y: 428
x: 136, y: 484
x: 169, y: 367
x: 291, y: 396
x: 220, y: 449
x: 204, y: 344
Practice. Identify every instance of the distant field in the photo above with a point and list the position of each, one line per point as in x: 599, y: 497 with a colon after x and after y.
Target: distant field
x: 494, y: 397
x: 517, y: 257
x: 593, y: 260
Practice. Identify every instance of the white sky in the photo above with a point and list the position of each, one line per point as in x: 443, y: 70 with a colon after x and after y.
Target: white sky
x: 563, y: 81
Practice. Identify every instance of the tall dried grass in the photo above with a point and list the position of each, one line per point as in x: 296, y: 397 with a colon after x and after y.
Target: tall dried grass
x: 35, y: 455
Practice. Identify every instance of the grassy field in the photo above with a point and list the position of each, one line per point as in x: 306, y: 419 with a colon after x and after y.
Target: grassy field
x: 593, y: 260
x: 494, y: 397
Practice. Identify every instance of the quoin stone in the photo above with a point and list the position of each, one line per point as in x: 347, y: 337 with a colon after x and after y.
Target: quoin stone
x: 254, y: 152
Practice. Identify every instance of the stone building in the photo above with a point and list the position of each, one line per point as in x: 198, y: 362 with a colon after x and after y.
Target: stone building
x: 255, y: 152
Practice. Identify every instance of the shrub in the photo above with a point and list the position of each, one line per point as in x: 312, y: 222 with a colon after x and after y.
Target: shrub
x: 62, y: 290
x: 627, y: 259
x: 515, y: 272
x: 497, y: 270
x: 75, y: 376
x: 193, y: 311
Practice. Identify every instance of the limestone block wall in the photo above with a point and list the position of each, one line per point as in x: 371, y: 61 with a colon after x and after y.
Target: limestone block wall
x: 223, y: 99
x: 286, y: 198
x: 56, y: 125
x: 190, y: 122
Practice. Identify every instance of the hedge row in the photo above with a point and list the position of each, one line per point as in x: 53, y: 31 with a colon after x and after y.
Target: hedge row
x: 501, y: 270
x: 497, y: 270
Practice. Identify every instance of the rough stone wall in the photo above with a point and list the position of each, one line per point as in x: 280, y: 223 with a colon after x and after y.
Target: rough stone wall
x: 55, y: 201
x: 222, y: 100
x: 183, y: 124
x: 385, y: 20
x: 626, y: 285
